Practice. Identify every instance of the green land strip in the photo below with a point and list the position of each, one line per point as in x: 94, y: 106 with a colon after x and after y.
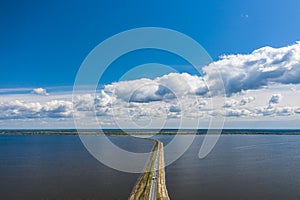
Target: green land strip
x: 162, y: 192
x: 117, y: 132
x: 141, y: 190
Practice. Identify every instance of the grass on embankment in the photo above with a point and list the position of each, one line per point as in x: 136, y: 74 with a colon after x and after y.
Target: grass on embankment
x: 162, y: 192
x: 141, y: 190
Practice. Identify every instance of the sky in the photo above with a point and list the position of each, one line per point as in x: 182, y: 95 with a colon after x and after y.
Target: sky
x: 253, y: 44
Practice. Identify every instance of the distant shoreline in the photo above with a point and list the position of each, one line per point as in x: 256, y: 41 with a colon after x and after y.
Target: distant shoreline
x: 117, y: 132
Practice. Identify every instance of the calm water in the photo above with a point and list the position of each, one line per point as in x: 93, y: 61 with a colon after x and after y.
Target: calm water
x: 239, y: 167
x: 59, y: 167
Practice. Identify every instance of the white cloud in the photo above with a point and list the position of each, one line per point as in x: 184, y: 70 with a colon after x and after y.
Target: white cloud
x: 57, y: 109
x: 230, y: 103
x: 275, y: 99
x: 233, y: 102
x: 274, y: 111
x: 297, y: 110
x: 40, y: 91
x: 237, y: 112
x: 110, y: 109
x: 174, y: 109
x: 260, y: 111
x: 250, y: 80
x: 201, y: 103
x: 260, y: 68
x: 170, y: 86
x: 19, y: 109
x: 246, y: 100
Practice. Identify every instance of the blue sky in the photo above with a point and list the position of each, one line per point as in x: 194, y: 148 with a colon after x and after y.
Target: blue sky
x: 44, y: 43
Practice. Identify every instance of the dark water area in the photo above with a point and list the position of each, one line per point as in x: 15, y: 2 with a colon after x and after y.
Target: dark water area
x: 246, y: 167
x: 59, y: 167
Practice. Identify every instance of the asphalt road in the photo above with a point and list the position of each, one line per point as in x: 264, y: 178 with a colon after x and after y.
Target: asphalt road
x: 153, y: 189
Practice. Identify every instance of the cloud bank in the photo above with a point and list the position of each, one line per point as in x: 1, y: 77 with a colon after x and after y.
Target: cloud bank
x: 20, y: 109
x: 180, y: 94
x: 262, y: 67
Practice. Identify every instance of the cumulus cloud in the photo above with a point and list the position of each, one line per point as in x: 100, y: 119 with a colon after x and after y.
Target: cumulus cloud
x: 161, y: 96
x: 230, y: 103
x: 101, y: 103
x: 260, y: 68
x: 175, y: 109
x: 174, y: 112
x: 297, y: 110
x: 237, y: 112
x: 246, y: 100
x: 40, y: 91
x: 109, y: 107
x: 259, y: 112
x: 20, y: 109
x: 170, y: 86
x: 56, y: 109
x: 274, y: 111
x: 201, y: 103
x: 275, y: 99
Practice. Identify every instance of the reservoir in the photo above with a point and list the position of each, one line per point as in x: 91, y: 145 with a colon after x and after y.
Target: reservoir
x: 59, y: 167
x: 239, y: 167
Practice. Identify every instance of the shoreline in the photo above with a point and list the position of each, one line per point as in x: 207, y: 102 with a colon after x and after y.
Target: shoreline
x: 146, y: 132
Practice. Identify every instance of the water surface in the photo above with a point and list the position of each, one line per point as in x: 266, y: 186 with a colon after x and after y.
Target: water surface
x: 239, y: 167
x: 246, y: 167
x: 59, y: 167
